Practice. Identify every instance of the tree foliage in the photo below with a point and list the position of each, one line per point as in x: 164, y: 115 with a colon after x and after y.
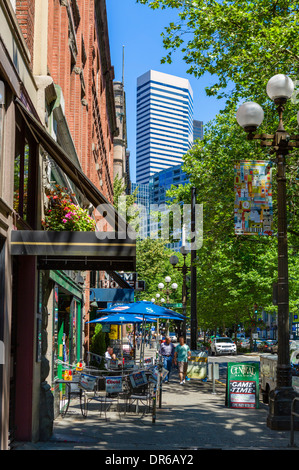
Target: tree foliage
x: 152, y: 265
x: 243, y: 43
x: 234, y: 273
x: 128, y: 209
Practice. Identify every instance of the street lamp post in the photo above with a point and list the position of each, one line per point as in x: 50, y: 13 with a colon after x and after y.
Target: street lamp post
x: 250, y: 115
x: 184, y: 270
x: 194, y: 324
x: 168, y: 291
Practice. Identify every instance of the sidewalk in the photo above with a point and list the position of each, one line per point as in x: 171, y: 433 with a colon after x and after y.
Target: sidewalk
x: 191, y: 418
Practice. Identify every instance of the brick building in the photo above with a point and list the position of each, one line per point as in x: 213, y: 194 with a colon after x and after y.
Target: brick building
x: 79, y: 62
x: 57, y: 125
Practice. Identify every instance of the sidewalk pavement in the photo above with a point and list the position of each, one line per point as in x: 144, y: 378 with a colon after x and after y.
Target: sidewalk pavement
x: 191, y: 418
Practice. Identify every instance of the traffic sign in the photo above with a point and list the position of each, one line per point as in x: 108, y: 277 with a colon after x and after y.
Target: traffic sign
x: 174, y: 305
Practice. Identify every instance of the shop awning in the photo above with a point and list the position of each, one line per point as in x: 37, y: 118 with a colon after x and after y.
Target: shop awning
x: 75, y: 250
x: 72, y: 170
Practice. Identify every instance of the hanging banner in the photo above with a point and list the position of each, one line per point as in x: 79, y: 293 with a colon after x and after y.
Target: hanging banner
x: 253, y: 209
x: 242, y: 386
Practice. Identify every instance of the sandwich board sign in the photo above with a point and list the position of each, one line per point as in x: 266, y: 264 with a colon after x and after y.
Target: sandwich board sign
x: 242, y: 388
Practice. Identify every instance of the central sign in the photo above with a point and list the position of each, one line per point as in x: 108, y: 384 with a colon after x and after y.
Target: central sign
x: 242, y: 385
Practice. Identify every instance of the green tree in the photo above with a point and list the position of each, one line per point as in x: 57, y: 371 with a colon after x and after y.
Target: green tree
x: 152, y: 265
x: 234, y: 272
x: 128, y: 208
x: 243, y: 43
x: 98, y: 343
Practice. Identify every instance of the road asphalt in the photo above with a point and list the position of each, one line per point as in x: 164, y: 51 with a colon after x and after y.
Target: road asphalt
x: 193, y: 417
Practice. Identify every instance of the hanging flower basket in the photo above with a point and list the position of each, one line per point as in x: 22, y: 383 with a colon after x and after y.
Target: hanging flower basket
x: 63, y: 215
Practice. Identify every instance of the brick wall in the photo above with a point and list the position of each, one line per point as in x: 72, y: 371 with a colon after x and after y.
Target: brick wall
x: 25, y: 15
x: 83, y: 84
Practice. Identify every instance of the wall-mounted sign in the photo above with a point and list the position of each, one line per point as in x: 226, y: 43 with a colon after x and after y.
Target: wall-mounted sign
x: 130, y: 278
x: 253, y: 210
x: 242, y: 385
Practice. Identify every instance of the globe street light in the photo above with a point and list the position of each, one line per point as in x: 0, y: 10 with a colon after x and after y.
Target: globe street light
x: 250, y: 116
x: 168, y: 291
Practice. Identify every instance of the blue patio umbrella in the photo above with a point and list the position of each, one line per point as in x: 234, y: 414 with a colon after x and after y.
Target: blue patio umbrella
x: 144, y: 308
x: 142, y: 311
x: 120, y: 318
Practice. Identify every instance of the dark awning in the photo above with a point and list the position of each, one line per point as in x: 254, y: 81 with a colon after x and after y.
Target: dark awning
x: 75, y: 250
x: 72, y: 170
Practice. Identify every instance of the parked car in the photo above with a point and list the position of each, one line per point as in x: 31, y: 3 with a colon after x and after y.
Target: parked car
x: 223, y: 346
x: 244, y: 343
x: 294, y: 344
x: 173, y: 337
x: 264, y: 346
x: 273, y: 346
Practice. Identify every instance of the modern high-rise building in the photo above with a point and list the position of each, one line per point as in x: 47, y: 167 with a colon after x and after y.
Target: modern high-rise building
x: 161, y: 182
x: 197, y: 130
x: 152, y: 197
x: 164, y: 122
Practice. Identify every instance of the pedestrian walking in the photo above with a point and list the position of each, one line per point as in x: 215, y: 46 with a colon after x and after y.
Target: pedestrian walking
x: 167, y: 352
x: 181, y: 355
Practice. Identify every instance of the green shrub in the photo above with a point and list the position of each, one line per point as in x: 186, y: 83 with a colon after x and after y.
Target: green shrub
x: 98, y: 343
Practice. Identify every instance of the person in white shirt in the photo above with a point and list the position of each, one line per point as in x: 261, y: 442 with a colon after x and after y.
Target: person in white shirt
x: 109, y: 355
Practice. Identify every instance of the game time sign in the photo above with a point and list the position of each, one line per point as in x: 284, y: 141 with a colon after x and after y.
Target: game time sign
x: 242, y: 385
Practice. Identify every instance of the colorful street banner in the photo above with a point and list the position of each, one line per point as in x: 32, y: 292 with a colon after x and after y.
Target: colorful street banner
x: 253, y: 209
x: 242, y: 386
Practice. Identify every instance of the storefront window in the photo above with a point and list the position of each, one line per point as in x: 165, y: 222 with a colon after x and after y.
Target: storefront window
x: 25, y: 179
x: 21, y: 172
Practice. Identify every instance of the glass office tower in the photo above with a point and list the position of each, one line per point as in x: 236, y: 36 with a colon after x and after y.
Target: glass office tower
x: 197, y: 130
x: 164, y: 122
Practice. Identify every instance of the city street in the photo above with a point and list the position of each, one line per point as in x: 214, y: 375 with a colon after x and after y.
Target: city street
x: 139, y: 198
x: 192, y: 418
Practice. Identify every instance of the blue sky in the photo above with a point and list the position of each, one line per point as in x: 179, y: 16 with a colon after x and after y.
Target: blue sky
x: 139, y: 28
